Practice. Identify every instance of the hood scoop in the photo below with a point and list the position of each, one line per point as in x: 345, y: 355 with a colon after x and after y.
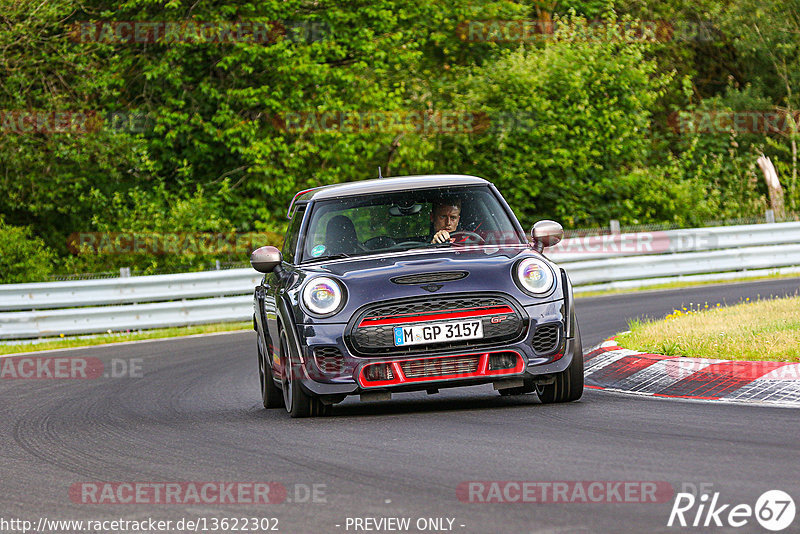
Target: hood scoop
x: 427, y: 278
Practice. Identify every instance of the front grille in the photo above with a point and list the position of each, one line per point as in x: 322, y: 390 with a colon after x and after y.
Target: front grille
x: 545, y: 339
x: 430, y: 367
x: 501, y: 323
x: 329, y: 359
x: 427, y: 278
x: 424, y: 305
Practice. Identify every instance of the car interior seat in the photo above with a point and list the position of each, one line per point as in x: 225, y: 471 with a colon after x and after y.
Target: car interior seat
x: 340, y: 236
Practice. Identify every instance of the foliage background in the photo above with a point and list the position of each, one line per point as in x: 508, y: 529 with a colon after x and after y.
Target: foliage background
x: 580, y: 127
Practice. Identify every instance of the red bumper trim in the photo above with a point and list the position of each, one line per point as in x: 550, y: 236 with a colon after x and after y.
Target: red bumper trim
x: 400, y: 378
x: 447, y: 314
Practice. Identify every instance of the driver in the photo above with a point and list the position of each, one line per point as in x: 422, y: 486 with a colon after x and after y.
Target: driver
x: 445, y: 216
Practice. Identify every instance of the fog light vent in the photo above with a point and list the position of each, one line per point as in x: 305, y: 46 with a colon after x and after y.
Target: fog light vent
x: 502, y: 360
x: 379, y: 372
x: 329, y: 360
x: 545, y: 339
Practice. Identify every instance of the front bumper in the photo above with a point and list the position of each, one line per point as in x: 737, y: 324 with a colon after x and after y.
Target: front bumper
x: 357, y: 374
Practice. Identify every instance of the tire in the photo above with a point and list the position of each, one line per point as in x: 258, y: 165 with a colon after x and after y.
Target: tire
x: 568, y: 384
x: 297, y: 402
x: 271, y: 395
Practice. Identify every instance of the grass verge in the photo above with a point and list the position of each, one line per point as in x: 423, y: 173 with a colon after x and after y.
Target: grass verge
x: 763, y: 330
x: 119, y: 337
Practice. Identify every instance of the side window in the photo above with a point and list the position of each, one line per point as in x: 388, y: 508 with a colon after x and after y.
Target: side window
x: 315, y: 235
x: 292, y: 234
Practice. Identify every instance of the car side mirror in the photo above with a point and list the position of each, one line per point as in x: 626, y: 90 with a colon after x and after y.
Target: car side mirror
x: 265, y: 259
x: 546, y: 233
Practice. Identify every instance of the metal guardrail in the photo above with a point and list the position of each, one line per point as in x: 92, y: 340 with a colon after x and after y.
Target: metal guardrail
x: 593, y: 263
x: 581, y: 249
x: 73, y: 321
x: 129, y: 290
x: 677, y: 265
x: 625, y: 261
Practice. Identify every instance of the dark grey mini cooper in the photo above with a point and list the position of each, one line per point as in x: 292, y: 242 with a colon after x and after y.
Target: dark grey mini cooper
x: 411, y: 283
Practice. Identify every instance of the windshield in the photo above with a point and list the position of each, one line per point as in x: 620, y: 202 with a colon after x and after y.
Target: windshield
x: 373, y: 224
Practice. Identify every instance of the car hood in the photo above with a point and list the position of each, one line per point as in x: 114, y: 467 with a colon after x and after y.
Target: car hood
x: 369, y: 279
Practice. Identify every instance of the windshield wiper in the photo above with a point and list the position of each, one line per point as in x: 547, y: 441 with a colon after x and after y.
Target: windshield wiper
x: 326, y: 258
x: 426, y: 246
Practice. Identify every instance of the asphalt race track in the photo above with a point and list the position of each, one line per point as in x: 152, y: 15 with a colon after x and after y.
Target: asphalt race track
x: 193, y: 414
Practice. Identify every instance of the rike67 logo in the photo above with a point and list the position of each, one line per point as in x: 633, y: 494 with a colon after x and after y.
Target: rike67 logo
x: 774, y: 510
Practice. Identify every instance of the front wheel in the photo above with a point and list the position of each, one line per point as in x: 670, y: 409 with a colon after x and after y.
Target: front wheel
x: 298, y: 403
x: 568, y: 384
x: 271, y: 395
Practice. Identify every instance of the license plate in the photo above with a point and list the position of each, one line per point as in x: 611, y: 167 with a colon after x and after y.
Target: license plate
x: 437, y: 332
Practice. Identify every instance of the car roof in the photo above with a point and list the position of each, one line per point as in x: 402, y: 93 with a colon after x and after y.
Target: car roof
x: 384, y: 185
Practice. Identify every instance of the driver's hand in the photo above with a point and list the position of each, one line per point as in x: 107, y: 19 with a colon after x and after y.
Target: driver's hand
x: 442, y: 236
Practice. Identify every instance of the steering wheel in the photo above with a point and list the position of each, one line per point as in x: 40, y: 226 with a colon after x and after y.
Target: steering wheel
x: 466, y: 236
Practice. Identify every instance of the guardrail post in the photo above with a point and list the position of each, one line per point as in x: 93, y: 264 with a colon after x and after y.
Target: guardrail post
x: 124, y: 272
x: 614, y: 226
x: 770, y: 216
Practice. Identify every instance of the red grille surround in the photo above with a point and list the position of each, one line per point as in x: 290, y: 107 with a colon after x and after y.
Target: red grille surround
x: 443, y: 315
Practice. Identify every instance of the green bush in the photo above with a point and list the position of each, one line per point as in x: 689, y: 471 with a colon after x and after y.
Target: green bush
x: 578, y: 116
x: 23, y: 257
x: 152, y: 230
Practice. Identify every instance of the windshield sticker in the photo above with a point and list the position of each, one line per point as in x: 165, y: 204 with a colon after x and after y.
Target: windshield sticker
x: 318, y: 250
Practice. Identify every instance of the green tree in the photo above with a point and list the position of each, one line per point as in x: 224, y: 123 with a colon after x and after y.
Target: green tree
x: 766, y: 34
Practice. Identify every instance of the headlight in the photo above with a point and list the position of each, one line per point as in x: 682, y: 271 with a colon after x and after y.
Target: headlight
x: 323, y: 296
x: 534, y: 276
